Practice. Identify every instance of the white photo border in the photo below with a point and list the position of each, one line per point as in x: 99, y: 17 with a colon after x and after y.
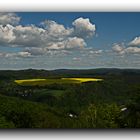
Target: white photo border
x: 70, y: 6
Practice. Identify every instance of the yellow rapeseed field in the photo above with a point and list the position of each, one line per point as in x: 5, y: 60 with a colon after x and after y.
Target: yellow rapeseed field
x: 31, y: 82
x: 83, y: 79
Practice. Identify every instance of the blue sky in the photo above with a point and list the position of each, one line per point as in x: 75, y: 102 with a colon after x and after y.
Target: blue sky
x: 53, y: 40
x: 111, y: 27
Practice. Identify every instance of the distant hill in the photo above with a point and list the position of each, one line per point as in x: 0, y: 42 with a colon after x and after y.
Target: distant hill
x: 34, y: 73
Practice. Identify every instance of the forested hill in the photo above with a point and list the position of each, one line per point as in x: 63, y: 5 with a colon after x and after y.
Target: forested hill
x: 110, y: 103
x: 34, y: 73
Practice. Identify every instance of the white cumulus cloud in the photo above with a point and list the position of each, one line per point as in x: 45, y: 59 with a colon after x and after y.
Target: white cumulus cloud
x: 9, y: 18
x: 6, y: 34
x: 75, y: 42
x: 24, y: 54
x: 135, y: 42
x: 83, y: 27
x: 96, y: 51
x: 56, y: 31
x: 28, y: 36
x: 50, y: 36
x: 120, y: 49
x: 132, y: 50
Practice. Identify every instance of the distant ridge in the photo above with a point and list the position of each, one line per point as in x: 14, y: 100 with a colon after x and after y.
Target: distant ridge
x: 35, y: 73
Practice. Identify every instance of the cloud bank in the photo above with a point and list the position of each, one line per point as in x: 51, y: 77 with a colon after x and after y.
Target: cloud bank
x: 9, y: 18
x: 133, y: 47
x: 50, y: 35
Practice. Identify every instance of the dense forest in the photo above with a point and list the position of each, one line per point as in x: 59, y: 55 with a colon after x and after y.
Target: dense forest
x: 111, y: 103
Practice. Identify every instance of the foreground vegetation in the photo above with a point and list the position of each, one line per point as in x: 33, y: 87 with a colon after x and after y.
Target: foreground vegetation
x: 109, y: 103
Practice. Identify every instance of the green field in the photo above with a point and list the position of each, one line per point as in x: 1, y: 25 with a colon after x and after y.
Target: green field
x: 41, y: 82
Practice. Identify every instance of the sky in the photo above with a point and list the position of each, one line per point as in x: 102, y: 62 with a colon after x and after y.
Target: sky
x: 69, y: 40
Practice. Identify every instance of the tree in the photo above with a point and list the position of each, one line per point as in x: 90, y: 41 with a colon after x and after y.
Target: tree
x: 100, y: 116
